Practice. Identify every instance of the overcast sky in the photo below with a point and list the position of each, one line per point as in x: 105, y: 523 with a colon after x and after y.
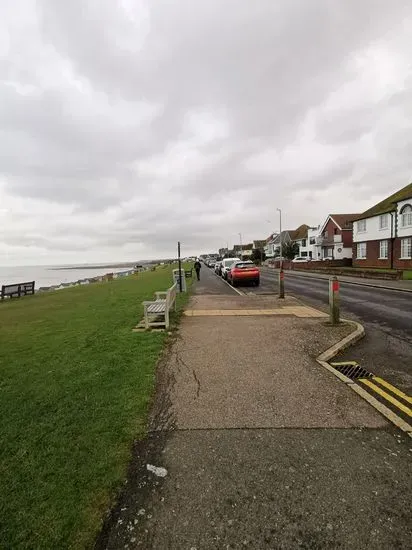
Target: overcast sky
x: 127, y: 125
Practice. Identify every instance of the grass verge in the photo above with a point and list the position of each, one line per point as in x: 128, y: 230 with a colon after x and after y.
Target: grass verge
x: 76, y: 384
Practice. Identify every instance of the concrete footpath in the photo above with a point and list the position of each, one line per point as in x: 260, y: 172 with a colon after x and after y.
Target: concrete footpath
x: 253, y: 444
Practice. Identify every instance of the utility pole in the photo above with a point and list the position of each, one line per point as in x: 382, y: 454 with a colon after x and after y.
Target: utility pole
x: 241, y: 251
x: 281, y: 273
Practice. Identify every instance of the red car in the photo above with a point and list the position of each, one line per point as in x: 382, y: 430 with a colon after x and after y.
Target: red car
x: 243, y: 272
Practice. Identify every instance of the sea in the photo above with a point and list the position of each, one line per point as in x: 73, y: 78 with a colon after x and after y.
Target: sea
x: 45, y: 276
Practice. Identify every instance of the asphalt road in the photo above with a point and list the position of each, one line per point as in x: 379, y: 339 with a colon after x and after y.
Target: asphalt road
x: 386, y: 315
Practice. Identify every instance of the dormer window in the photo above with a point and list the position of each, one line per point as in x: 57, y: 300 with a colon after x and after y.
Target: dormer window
x: 406, y: 216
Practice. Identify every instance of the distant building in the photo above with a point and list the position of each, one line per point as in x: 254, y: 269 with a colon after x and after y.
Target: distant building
x: 272, y: 247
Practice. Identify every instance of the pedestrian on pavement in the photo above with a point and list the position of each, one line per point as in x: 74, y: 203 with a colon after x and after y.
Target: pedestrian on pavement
x: 197, y: 267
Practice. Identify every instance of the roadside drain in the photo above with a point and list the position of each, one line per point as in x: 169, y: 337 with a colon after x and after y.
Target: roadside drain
x: 351, y: 370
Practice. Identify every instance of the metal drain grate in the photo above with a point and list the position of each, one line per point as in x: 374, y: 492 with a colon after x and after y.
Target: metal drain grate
x: 352, y: 370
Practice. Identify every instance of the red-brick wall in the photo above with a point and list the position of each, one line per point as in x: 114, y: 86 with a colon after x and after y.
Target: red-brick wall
x: 347, y: 238
x: 397, y: 263
x: 330, y: 228
x: 372, y: 256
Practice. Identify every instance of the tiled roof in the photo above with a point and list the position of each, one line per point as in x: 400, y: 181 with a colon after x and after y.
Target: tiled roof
x: 345, y: 220
x: 388, y: 204
x: 300, y: 233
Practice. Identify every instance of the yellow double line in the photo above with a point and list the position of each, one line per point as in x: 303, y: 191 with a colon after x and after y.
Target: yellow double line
x: 395, y: 391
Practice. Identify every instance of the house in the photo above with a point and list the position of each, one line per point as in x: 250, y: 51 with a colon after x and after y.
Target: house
x: 272, y: 247
x: 335, y: 237
x: 313, y: 238
x: 243, y: 250
x: 300, y: 237
x: 259, y: 245
x: 382, y: 236
x: 269, y: 247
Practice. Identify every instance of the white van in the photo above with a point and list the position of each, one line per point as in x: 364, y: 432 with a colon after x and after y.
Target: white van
x: 227, y: 264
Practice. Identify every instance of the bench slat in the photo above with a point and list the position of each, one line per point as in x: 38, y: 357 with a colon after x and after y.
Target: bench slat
x: 157, y: 308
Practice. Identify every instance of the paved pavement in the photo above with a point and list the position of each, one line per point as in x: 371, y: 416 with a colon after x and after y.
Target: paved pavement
x: 385, y: 314
x: 257, y: 446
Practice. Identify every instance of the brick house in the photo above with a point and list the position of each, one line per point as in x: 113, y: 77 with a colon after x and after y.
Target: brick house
x: 382, y: 236
x: 334, y: 238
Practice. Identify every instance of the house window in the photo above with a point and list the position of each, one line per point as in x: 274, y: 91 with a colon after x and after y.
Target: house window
x: 383, y: 250
x: 361, y: 251
x: 406, y: 215
x: 303, y: 243
x: 361, y: 225
x: 335, y: 231
x: 383, y: 221
x: 312, y: 240
x: 406, y: 248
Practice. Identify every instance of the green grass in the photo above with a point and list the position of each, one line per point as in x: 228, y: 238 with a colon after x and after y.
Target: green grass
x: 75, y: 388
x: 407, y: 275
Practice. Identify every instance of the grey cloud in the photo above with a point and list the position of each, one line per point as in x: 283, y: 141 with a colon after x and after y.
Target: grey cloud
x: 96, y: 99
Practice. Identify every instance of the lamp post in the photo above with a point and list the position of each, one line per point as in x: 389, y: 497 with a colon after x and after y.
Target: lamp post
x: 281, y: 274
x: 240, y: 237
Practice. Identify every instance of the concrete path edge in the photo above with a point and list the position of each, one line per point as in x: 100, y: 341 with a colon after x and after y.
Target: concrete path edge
x: 324, y: 358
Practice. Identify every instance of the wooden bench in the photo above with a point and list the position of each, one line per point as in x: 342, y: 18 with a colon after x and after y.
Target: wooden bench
x: 188, y: 273
x: 156, y: 313
x: 17, y: 290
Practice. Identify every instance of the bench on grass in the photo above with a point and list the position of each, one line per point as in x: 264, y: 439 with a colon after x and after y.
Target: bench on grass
x: 156, y: 313
x: 188, y: 273
x: 17, y: 290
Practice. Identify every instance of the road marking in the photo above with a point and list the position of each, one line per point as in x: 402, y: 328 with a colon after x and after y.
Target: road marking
x: 383, y: 409
x: 393, y: 389
x: 386, y: 396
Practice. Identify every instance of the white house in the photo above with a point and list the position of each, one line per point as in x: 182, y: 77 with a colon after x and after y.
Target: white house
x: 382, y: 235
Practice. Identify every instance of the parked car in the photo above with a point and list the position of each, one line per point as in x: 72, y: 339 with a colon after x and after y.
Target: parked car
x: 300, y: 259
x: 212, y: 263
x: 218, y: 267
x: 243, y: 272
x: 226, y: 265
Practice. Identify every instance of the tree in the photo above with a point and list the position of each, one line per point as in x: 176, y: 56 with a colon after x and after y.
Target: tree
x: 258, y: 256
x: 290, y: 250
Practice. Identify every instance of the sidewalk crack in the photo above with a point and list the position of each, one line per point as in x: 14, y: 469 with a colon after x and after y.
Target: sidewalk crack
x: 197, y: 382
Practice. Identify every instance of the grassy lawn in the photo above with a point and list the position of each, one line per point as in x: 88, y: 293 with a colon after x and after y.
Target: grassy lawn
x: 407, y: 275
x: 75, y: 387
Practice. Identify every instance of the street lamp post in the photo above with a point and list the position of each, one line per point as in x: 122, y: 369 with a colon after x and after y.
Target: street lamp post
x: 281, y: 273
